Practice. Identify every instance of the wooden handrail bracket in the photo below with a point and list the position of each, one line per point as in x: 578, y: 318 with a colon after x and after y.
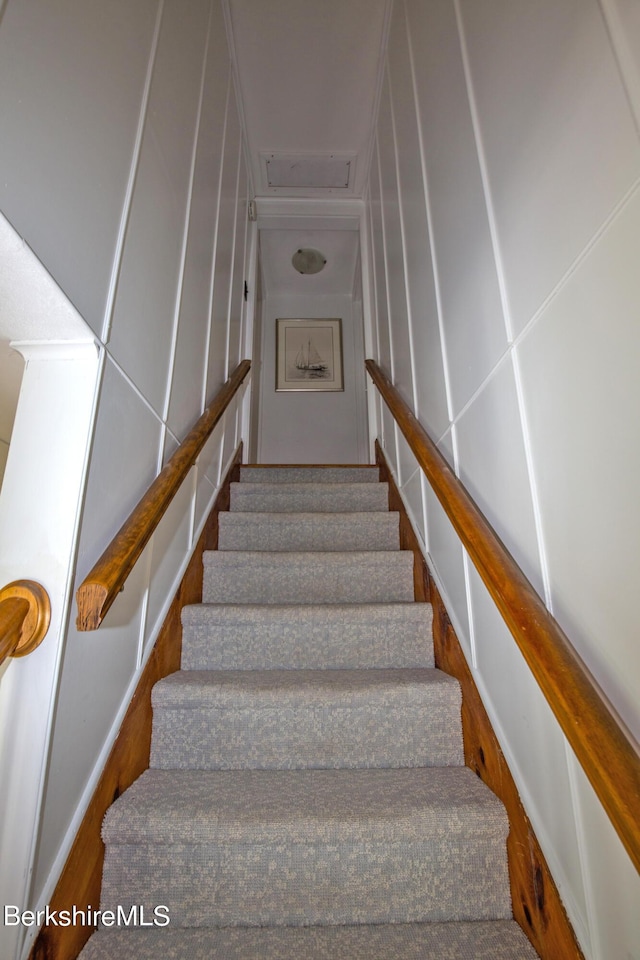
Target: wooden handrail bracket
x: 25, y: 614
x: 100, y: 588
x: 605, y: 749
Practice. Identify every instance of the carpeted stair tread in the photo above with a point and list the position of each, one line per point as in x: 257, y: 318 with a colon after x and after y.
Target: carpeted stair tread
x: 295, y: 719
x: 264, y: 689
x: 305, y: 806
x: 308, y: 796
x: 477, y: 940
x: 312, y: 474
x: 308, y: 531
x: 306, y: 497
x: 300, y: 847
x: 314, y: 636
x: 304, y: 577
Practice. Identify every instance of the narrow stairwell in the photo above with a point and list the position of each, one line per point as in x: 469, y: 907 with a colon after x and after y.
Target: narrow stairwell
x: 307, y: 796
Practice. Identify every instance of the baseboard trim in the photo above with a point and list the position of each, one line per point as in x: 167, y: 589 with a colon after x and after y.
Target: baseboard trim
x: 537, y: 906
x: 80, y: 881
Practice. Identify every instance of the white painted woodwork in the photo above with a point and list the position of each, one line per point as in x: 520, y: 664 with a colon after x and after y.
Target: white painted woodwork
x: 33, y: 307
x: 11, y: 370
x: 237, y: 303
x: 193, y: 319
x: 499, y: 287
x: 493, y: 467
x: 64, y: 192
x: 39, y: 510
x: 469, y: 302
x: 579, y: 365
x: 379, y: 269
x: 623, y: 22
x: 171, y: 543
x: 49, y: 382
x: 511, y: 132
x: 149, y: 276
x: 130, y: 186
x: 217, y: 368
x: 557, y: 135
x: 422, y: 295
x: 536, y: 742
x: 400, y: 350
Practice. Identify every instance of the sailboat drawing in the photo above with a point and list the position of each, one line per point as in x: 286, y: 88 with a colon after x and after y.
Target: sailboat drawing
x: 308, y: 358
x: 309, y: 354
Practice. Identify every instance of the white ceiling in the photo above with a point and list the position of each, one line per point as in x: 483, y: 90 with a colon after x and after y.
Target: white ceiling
x: 340, y: 248
x: 308, y: 74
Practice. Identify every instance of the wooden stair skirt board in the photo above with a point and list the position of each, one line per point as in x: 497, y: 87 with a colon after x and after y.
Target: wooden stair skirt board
x: 310, y: 792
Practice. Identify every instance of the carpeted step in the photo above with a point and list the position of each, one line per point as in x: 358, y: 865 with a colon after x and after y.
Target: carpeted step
x: 309, y: 497
x: 276, y: 577
x: 324, y: 636
x: 307, y: 797
x: 312, y: 474
x: 296, y: 719
x: 290, y: 848
x: 479, y: 940
x: 308, y: 531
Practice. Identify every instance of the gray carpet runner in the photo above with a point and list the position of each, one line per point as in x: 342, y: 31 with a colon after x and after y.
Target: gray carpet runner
x: 307, y: 796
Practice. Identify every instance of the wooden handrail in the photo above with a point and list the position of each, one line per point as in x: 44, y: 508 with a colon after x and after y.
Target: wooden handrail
x: 25, y: 614
x: 13, y: 613
x: 605, y: 749
x: 100, y: 588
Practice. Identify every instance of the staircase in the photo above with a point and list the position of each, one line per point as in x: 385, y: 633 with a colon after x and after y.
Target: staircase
x: 307, y: 797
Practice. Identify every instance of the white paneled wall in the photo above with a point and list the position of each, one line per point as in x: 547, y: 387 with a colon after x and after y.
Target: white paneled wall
x: 422, y: 295
x: 504, y: 220
x: 557, y: 135
x: 148, y: 279
x: 193, y: 329
x: 11, y: 369
x: 123, y: 168
x: 400, y: 346
x: 38, y: 513
x: 72, y: 78
x: 313, y: 427
x: 469, y: 301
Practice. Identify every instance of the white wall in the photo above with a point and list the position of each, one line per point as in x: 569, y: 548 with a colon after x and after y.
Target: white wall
x: 39, y: 510
x: 313, y: 427
x: 11, y: 369
x: 504, y: 220
x: 53, y: 402
x: 124, y: 171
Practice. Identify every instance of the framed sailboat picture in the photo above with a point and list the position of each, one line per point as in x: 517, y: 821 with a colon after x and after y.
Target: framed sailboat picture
x: 309, y: 355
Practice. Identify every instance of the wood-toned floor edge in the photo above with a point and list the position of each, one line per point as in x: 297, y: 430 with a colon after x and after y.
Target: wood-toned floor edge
x: 80, y: 880
x: 537, y: 906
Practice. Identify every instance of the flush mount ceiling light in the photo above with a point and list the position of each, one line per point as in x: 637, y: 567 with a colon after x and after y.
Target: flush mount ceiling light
x: 308, y: 260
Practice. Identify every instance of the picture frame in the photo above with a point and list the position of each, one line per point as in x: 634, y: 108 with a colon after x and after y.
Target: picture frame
x: 309, y: 355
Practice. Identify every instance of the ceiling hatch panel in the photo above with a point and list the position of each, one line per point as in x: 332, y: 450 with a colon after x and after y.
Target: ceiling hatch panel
x: 326, y: 173
x: 308, y: 75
